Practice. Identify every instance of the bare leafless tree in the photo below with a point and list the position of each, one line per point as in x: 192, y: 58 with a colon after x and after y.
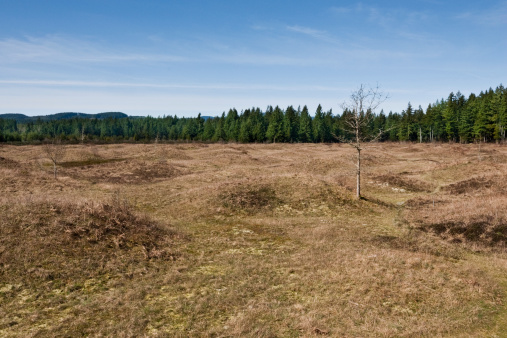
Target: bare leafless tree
x: 361, y: 108
x: 82, y: 133
x: 54, y: 150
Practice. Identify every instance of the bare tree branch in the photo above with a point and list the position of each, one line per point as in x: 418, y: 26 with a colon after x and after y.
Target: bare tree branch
x: 361, y: 105
x: 55, y: 152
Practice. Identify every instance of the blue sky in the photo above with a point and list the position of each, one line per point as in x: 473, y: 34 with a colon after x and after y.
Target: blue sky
x: 189, y: 57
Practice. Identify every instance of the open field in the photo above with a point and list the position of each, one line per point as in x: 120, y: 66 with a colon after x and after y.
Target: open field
x: 254, y: 240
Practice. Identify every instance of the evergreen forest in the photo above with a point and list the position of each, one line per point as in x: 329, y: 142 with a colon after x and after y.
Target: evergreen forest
x: 458, y: 118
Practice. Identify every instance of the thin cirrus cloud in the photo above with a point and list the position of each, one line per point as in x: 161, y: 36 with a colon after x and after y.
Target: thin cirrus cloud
x: 491, y: 17
x: 337, y: 48
x: 57, y: 49
x: 358, y: 8
x: 54, y: 49
x: 307, y: 31
x: 231, y: 86
x: 384, y: 17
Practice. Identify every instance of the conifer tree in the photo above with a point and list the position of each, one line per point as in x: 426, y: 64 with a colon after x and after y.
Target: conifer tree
x: 245, y: 131
x: 220, y: 134
x: 451, y: 118
x: 291, y: 124
x: 275, y: 130
x: 305, y: 126
x: 208, y: 130
x: 405, y: 129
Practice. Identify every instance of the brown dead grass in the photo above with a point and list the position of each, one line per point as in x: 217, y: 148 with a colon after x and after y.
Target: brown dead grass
x: 250, y: 198
x: 253, y: 240
x: 479, y: 185
x: 471, y: 219
x: 404, y: 182
x: 57, y: 241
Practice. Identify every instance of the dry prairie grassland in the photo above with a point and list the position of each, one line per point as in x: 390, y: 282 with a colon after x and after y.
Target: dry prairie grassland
x: 253, y: 240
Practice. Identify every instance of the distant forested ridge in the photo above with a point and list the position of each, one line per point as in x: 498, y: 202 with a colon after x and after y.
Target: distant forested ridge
x: 480, y: 117
x: 61, y: 116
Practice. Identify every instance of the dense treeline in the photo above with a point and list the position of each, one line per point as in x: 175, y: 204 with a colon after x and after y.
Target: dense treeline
x: 61, y: 116
x: 458, y: 119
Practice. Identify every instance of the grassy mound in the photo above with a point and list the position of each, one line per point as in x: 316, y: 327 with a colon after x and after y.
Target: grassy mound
x: 249, y: 198
x: 48, y: 241
x: 302, y: 194
x: 477, y: 184
x: 472, y: 220
x: 483, y: 228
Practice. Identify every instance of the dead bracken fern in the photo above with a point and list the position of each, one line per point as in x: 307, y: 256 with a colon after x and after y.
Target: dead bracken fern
x: 483, y: 228
x: 249, y: 198
x: 470, y: 185
x: 474, y: 220
x: 54, y: 240
x: 115, y: 224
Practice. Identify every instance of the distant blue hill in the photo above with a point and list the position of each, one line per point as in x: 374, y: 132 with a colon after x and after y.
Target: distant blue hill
x: 62, y: 116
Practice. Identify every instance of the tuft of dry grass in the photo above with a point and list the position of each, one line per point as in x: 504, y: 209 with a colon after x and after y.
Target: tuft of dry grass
x: 464, y: 219
x: 57, y: 241
x: 406, y: 183
x: 250, y: 198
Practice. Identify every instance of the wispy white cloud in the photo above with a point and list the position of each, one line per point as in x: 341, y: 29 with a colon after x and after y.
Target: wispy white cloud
x: 383, y: 16
x: 213, y: 86
x: 307, y: 31
x: 243, y: 56
x: 62, y: 50
x: 341, y: 10
x: 260, y: 27
x: 359, y: 8
x: 57, y: 49
x: 490, y: 17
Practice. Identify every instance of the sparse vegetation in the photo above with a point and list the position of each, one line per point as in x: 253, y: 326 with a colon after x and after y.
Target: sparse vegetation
x: 254, y: 240
x: 55, y: 152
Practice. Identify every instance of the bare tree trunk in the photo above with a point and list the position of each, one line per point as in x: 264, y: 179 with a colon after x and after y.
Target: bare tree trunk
x: 358, y: 172
x: 362, y: 105
x: 55, y: 152
x: 479, y: 150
